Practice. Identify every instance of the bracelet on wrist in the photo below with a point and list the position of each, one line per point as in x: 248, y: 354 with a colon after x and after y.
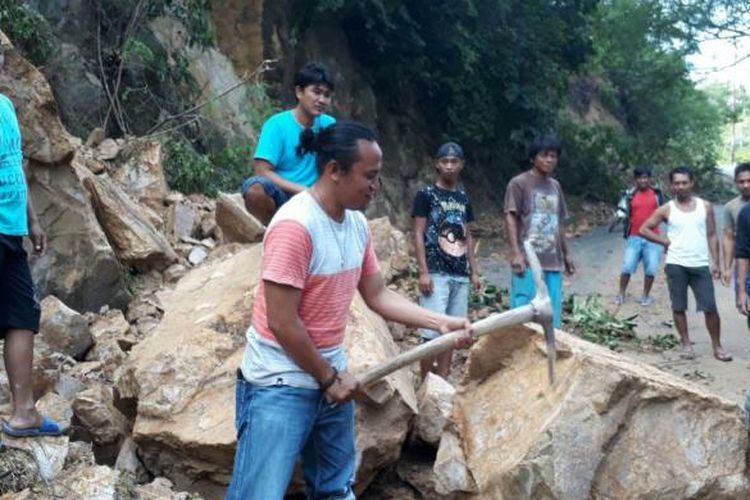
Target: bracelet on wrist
x: 331, y: 380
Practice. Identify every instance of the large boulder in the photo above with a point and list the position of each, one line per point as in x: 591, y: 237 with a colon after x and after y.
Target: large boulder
x: 390, y: 246
x: 45, y: 140
x: 183, y: 376
x: 134, y: 238
x: 79, y: 267
x: 63, y: 329
x: 235, y: 222
x: 139, y: 170
x: 609, y: 427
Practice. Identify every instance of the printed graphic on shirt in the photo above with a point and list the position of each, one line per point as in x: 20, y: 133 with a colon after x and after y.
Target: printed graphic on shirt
x: 447, y: 213
x: 544, y: 222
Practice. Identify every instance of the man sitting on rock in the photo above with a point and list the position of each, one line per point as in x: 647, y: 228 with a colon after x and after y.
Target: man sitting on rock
x: 19, y: 309
x: 317, y: 253
x: 281, y: 169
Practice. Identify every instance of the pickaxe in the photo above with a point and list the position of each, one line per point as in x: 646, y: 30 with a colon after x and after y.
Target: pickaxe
x: 538, y: 311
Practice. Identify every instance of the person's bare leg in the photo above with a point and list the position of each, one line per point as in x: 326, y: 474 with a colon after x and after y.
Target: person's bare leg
x: 444, y: 364
x: 19, y: 357
x: 259, y: 204
x: 713, y: 325
x: 680, y: 323
x: 624, y: 280
x: 648, y: 282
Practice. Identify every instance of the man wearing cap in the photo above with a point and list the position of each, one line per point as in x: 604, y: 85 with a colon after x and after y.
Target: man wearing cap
x: 444, y: 247
x: 535, y: 211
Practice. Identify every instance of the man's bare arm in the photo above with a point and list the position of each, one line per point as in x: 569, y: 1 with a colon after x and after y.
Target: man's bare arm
x: 713, y: 239
x: 742, y: 298
x: 728, y: 250
x: 518, y: 261
x: 425, y: 282
x: 647, y: 228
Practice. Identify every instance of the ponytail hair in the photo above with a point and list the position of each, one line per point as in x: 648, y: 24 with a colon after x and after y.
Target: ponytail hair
x: 335, y: 142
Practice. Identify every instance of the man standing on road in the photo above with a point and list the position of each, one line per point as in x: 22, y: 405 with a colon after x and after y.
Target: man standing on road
x: 639, y: 203
x: 281, y: 168
x: 692, y: 247
x: 19, y: 309
x: 535, y: 210
x: 317, y: 252
x: 731, y: 211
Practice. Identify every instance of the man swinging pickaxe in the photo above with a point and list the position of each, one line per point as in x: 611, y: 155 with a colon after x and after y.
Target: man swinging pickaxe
x: 538, y: 311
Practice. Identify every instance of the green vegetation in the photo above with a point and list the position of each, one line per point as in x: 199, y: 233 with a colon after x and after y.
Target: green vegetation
x: 589, y: 319
x: 27, y: 29
x: 507, y: 70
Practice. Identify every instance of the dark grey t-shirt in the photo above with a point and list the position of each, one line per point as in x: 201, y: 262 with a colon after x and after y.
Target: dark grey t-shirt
x: 540, y: 205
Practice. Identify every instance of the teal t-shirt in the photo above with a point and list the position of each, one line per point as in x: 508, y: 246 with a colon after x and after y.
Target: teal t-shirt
x: 12, y: 181
x: 278, y: 143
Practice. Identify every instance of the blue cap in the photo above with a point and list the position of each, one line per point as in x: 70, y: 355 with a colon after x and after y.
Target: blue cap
x: 450, y: 149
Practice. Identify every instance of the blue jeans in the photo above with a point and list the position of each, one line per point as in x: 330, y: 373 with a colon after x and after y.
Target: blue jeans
x: 278, y: 195
x: 450, y: 295
x: 275, y: 424
x: 638, y: 248
x: 523, y: 290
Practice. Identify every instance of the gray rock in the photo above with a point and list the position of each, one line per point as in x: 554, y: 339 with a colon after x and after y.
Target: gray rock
x: 63, y: 329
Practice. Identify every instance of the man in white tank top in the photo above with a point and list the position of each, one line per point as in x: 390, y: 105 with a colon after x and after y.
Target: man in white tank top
x: 692, y: 248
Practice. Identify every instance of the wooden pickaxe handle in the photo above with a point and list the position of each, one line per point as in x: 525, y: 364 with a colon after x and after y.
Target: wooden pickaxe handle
x: 539, y: 310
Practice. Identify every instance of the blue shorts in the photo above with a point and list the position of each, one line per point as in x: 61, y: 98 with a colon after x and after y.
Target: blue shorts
x: 450, y: 295
x: 523, y: 290
x: 278, y: 195
x: 639, y: 249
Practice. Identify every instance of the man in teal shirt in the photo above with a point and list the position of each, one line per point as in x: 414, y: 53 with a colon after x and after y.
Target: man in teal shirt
x: 281, y: 170
x: 19, y: 309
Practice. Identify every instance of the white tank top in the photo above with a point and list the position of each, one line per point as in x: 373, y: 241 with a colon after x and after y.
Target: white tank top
x: 687, y: 235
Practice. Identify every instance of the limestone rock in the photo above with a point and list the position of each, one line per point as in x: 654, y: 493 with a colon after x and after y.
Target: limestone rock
x: 111, y: 335
x: 134, y: 239
x: 174, y: 272
x: 197, y: 255
x: 182, y: 220
x: 63, y: 329
x: 92, y: 482
x: 235, y: 222
x: 609, y: 427
x: 128, y: 461
x: 391, y: 247
x: 44, y: 137
x: 435, y: 404
x: 95, y: 411
x: 79, y: 267
x: 49, y: 452
x: 57, y: 407
x: 95, y: 137
x: 140, y: 172
x: 183, y: 376
x: 107, y: 150
x: 160, y: 488
x: 451, y: 471
x: 18, y: 471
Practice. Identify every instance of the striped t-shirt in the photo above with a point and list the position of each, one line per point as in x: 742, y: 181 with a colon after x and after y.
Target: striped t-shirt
x: 13, y: 191
x: 306, y: 249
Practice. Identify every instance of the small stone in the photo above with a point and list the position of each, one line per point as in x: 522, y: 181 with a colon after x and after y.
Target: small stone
x: 96, y: 136
x: 197, y: 255
x: 63, y: 329
x: 107, y: 150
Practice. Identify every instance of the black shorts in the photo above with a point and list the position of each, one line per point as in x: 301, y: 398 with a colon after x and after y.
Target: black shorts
x: 19, y: 308
x: 699, y: 279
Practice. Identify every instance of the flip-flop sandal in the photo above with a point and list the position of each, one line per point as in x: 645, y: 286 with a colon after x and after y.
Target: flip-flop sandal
x: 723, y: 357
x: 49, y: 427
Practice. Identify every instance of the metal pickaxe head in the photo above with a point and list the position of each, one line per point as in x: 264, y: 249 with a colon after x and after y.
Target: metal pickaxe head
x: 542, y: 308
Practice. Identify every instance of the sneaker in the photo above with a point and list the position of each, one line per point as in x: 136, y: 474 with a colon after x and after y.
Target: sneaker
x: 645, y: 300
x: 619, y: 300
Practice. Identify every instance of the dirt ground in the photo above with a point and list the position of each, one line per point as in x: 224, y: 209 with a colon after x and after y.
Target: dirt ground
x: 598, y: 257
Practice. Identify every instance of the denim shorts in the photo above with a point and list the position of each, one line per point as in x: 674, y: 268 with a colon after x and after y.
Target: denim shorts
x: 278, y: 195
x: 450, y: 295
x: 639, y: 249
x: 699, y: 279
x: 19, y: 307
x: 275, y: 425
